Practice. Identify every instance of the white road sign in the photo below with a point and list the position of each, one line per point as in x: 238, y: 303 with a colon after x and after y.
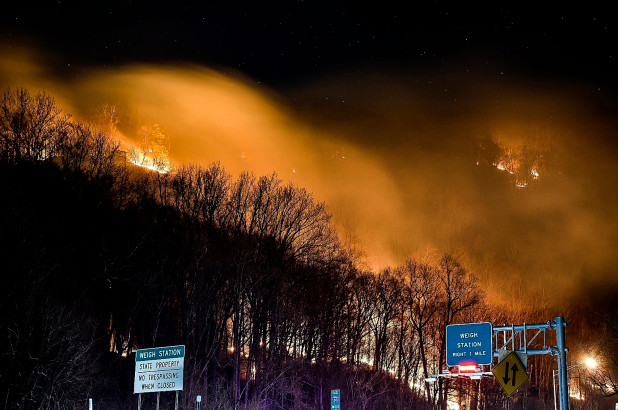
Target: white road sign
x: 159, y: 369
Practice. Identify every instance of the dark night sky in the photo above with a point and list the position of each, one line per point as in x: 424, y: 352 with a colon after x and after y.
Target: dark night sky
x: 279, y: 42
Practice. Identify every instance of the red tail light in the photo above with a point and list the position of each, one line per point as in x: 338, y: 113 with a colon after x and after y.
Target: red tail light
x: 467, y: 368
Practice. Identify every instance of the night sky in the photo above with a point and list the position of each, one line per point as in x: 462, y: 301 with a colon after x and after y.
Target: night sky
x: 289, y: 41
x: 387, y: 113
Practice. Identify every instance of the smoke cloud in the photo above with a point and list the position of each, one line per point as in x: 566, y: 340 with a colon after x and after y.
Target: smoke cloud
x: 516, y: 178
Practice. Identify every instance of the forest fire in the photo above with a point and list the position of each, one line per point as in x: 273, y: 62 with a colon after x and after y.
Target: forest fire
x: 511, y: 163
x: 149, y: 161
x: 521, y: 184
x: 301, y: 199
x: 376, y: 194
x: 250, y: 206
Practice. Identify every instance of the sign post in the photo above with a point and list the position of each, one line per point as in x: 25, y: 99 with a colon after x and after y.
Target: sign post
x: 469, y: 343
x: 335, y: 399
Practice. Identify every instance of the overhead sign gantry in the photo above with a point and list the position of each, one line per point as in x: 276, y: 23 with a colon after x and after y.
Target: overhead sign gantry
x: 525, y: 340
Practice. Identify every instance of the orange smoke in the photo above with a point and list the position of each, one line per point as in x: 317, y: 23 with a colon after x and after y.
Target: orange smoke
x: 515, y: 180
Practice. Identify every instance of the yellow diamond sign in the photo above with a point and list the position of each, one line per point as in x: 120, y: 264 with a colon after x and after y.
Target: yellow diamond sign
x: 510, y: 373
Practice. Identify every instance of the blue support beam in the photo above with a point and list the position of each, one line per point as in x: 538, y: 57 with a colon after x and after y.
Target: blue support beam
x: 562, y: 363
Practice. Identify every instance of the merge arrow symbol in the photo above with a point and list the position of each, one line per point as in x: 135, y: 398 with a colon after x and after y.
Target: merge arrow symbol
x: 506, y: 374
x: 515, y: 369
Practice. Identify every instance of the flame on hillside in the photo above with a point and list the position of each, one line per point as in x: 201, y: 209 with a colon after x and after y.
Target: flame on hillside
x: 521, y: 162
x: 149, y: 161
x: 521, y: 184
x: 152, y: 149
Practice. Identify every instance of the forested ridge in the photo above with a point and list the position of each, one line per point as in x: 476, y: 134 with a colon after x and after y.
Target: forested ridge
x: 100, y: 258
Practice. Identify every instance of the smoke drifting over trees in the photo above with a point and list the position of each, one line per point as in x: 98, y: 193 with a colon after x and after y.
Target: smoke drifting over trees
x: 396, y: 156
x: 101, y: 257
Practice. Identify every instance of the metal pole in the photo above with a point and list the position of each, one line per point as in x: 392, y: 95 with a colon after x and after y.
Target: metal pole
x: 139, y: 401
x: 553, y: 378
x: 89, y: 404
x: 513, y: 336
x: 158, y: 394
x: 176, y: 404
x: 562, y: 364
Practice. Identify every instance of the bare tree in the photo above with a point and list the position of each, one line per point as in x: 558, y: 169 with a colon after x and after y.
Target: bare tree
x: 30, y: 126
x: 459, y: 292
x: 387, y: 297
x: 54, y: 363
x: 605, y: 377
x: 422, y: 295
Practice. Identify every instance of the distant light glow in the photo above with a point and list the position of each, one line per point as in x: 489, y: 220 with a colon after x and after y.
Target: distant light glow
x: 366, y: 360
x: 590, y: 363
x: 576, y: 395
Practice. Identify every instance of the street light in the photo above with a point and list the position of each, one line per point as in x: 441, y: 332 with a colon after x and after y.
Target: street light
x: 589, y: 362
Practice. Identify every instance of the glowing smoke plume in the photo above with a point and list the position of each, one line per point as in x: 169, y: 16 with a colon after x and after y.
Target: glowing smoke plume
x: 519, y: 182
